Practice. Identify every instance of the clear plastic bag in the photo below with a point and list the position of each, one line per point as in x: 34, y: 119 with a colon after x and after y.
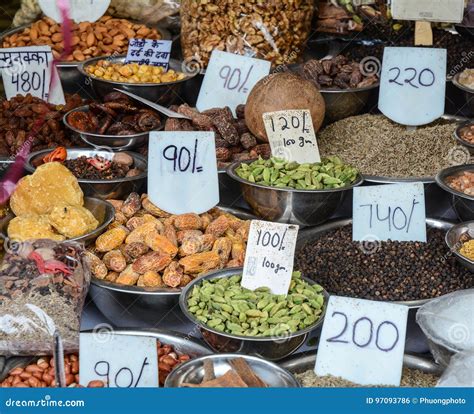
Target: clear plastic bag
x: 273, y: 30
x: 43, y: 285
x: 448, y: 323
x: 460, y: 372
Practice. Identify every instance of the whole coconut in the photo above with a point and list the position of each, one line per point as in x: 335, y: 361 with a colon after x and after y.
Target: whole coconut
x: 279, y: 92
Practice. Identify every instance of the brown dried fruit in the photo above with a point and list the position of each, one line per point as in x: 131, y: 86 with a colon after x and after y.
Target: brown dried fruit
x: 128, y: 276
x: 135, y: 249
x: 131, y: 205
x: 150, y: 279
x: 189, y: 221
x: 170, y: 233
x: 151, y: 261
x: 218, y: 227
x: 161, y: 244
x: 173, y: 274
x: 98, y: 268
x: 139, y: 234
x: 115, y: 261
x: 223, y: 247
x: 152, y: 209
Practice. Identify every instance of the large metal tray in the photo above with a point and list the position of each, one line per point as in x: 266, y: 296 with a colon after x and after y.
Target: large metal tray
x: 302, y: 362
x: 316, y: 232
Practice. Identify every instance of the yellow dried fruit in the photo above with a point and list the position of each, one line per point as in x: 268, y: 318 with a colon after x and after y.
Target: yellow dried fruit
x: 152, y: 209
x: 111, y: 239
x: 200, y: 262
x: 128, y: 276
x: 159, y: 243
x: 139, y: 234
x: 97, y: 266
x: 151, y: 261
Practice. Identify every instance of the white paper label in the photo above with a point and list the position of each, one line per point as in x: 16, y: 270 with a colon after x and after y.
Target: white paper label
x: 362, y: 341
x: 121, y: 361
x: 431, y: 10
x: 79, y: 10
x: 291, y: 135
x: 228, y: 80
x: 182, y: 171
x: 149, y: 52
x: 270, y: 256
x: 413, y: 84
x: 29, y: 70
x: 392, y: 211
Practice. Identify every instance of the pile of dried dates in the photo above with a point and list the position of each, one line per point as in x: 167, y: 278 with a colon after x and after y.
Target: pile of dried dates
x: 338, y: 73
x: 117, y: 115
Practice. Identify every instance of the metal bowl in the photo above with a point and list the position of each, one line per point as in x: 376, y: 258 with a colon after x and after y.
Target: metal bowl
x: 315, y: 233
x: 461, y: 203
x: 161, y: 93
x: 114, y: 142
x: 300, y: 363
x: 453, y: 237
x: 125, y: 305
x: 468, y: 93
x: 102, y: 210
x: 269, y: 348
x: 343, y: 103
x: 287, y: 205
x: 117, y: 188
x: 457, y: 136
x: 192, y: 372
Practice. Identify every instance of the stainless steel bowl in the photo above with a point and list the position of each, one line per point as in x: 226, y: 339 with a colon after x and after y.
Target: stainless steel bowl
x: 300, y: 363
x: 343, y: 103
x: 468, y: 93
x: 287, y: 205
x: 161, y: 93
x: 269, y: 348
x: 114, y: 142
x: 117, y: 188
x: 457, y: 136
x: 192, y: 372
x: 103, y: 211
x: 461, y: 203
x: 453, y: 237
x: 315, y: 233
x: 126, y: 305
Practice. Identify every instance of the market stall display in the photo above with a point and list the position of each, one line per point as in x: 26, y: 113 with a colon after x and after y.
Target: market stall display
x: 80, y: 208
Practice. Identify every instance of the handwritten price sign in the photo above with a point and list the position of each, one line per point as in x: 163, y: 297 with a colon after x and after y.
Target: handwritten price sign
x: 228, y: 80
x: 184, y: 174
x: 291, y: 135
x: 362, y: 341
x: 395, y: 212
x: 149, y: 52
x: 270, y: 256
x: 413, y: 84
x: 29, y: 70
x: 109, y: 359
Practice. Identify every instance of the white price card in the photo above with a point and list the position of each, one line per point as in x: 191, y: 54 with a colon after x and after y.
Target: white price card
x: 413, y: 84
x: 362, y: 341
x: 291, y: 135
x: 229, y: 79
x: 450, y: 11
x: 120, y: 361
x: 392, y: 211
x: 270, y: 256
x: 149, y: 52
x: 29, y: 70
x: 78, y: 10
x: 182, y: 173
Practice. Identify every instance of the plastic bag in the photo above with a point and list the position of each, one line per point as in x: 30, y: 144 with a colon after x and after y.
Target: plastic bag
x: 460, y: 372
x: 144, y: 11
x: 448, y: 323
x: 43, y: 285
x: 274, y: 30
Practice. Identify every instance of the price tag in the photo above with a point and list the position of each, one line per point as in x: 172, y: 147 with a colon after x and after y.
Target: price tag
x: 228, y: 80
x: 362, y: 341
x: 291, y: 135
x: 270, y: 256
x: 149, y: 52
x: 413, y: 84
x: 79, y: 10
x: 183, y: 177
x: 450, y: 11
x: 121, y: 361
x: 29, y: 69
x: 393, y: 211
